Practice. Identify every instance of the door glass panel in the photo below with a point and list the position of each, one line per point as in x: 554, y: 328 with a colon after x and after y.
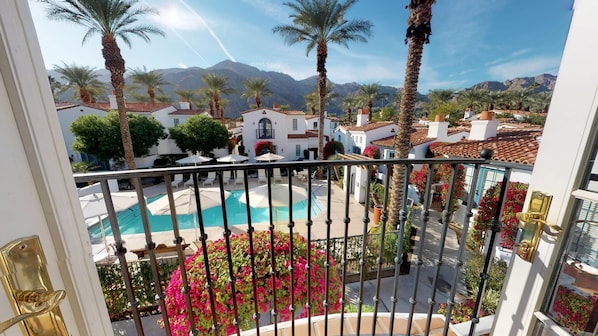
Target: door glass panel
x: 574, y: 300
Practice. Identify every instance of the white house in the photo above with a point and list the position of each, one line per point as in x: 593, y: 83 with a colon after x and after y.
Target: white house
x: 168, y: 115
x: 287, y: 130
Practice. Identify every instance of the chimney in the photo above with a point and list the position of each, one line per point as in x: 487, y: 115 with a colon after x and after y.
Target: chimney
x: 468, y: 113
x: 185, y: 105
x: 438, y: 128
x: 112, y: 99
x: 484, y: 128
x: 275, y: 107
x: 362, y: 117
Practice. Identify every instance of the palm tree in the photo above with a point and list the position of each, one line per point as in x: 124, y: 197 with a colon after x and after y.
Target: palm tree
x: 256, y: 88
x: 54, y: 86
x: 111, y: 19
x: 369, y: 93
x: 83, y: 79
x: 349, y: 102
x: 471, y: 98
x: 319, y: 22
x: 418, y: 34
x: 216, y: 86
x: 312, y: 99
x: 150, y: 80
x: 186, y: 95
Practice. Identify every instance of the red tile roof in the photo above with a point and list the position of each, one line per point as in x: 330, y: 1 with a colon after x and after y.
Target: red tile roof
x: 65, y: 105
x: 418, y: 137
x: 297, y: 136
x: 510, y: 145
x: 131, y: 107
x: 368, y: 127
x: 188, y: 112
x: 291, y: 112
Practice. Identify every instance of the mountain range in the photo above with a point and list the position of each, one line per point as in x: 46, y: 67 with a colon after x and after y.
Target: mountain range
x: 285, y: 89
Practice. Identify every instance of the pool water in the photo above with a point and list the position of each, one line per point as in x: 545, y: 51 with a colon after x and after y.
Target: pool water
x: 129, y: 221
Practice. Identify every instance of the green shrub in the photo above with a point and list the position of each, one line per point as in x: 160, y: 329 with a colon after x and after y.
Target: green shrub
x: 475, y: 265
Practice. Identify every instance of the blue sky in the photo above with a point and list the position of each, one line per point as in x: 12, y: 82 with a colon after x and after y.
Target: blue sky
x: 472, y: 40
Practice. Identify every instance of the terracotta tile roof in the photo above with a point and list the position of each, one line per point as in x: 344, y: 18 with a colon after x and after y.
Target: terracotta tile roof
x: 292, y: 112
x: 311, y: 134
x: 298, y: 136
x: 510, y: 145
x: 188, y: 112
x: 368, y: 127
x: 65, y: 105
x: 131, y: 107
x: 418, y: 137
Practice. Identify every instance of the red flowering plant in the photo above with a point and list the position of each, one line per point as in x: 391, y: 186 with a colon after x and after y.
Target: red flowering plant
x: 333, y: 147
x: 442, y: 174
x: 573, y: 310
x: 263, y: 146
x: 245, y: 296
x: 514, y: 200
x: 371, y: 152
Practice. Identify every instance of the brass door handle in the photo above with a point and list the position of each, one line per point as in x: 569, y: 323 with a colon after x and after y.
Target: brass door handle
x: 39, y: 299
x: 29, y: 290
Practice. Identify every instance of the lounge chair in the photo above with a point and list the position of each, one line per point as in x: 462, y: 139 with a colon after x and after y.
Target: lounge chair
x: 210, y: 179
x: 178, y: 179
x: 261, y: 176
x: 226, y: 176
x: 240, y: 177
x: 277, y: 175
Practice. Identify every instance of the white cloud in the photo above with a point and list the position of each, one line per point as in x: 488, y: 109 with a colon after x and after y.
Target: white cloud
x: 271, y: 8
x: 525, y: 67
x: 182, y: 66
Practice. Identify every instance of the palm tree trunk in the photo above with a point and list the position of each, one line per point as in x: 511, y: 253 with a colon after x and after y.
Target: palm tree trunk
x: 84, y: 95
x: 152, y: 96
x: 116, y: 65
x: 321, y: 68
x: 370, y: 115
x: 417, y: 33
x: 258, y: 101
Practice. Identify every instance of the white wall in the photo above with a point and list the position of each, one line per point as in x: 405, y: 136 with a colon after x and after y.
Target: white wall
x: 66, y: 117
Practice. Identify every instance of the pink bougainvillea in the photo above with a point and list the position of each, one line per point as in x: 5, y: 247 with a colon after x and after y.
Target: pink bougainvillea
x: 515, y: 198
x: 245, y: 296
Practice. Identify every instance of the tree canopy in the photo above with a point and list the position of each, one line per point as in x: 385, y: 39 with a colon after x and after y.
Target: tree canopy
x: 101, y: 136
x: 199, y: 134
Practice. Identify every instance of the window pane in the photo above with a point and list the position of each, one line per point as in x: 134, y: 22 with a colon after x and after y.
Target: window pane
x: 593, y: 178
x: 574, y: 303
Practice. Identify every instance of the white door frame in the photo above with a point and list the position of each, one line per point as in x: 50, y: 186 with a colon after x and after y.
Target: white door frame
x: 38, y: 191
x: 565, y: 147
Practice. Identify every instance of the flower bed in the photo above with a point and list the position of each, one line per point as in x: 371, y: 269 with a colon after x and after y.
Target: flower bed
x: 245, y: 296
x: 572, y: 310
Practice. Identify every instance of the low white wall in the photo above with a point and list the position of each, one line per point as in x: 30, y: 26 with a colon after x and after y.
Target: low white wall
x: 96, y: 188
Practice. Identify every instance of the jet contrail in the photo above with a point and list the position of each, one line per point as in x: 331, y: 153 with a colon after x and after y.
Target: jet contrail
x: 209, y: 30
x: 190, y: 46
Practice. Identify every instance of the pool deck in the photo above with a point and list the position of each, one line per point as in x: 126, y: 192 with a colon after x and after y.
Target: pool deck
x: 320, y: 190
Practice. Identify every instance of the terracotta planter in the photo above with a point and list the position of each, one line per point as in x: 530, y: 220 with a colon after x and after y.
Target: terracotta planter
x: 377, y: 214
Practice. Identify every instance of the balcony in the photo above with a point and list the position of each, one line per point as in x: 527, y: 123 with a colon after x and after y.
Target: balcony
x: 262, y: 133
x: 356, y: 286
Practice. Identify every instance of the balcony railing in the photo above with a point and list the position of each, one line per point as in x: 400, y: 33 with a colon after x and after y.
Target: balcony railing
x: 265, y: 134
x: 343, y: 285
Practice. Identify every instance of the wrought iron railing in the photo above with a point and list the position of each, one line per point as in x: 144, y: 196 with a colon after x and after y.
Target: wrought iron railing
x: 343, y: 250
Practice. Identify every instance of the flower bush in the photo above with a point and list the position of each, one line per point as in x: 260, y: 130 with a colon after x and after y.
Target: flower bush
x: 371, y: 152
x: 263, y: 146
x: 573, y: 310
x: 244, y: 294
x: 514, y: 200
x: 442, y: 173
x: 332, y: 147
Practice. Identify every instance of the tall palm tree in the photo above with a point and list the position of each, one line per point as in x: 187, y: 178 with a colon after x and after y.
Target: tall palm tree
x: 368, y: 94
x: 256, y: 88
x: 312, y: 99
x: 472, y: 98
x: 111, y: 19
x: 418, y: 34
x: 319, y: 22
x: 83, y: 79
x: 150, y: 80
x: 349, y: 102
x: 216, y: 86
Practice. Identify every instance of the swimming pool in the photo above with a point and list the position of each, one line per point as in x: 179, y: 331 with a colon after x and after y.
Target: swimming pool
x: 129, y: 221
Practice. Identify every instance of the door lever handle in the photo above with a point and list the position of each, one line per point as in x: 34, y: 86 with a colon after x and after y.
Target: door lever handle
x: 38, y: 299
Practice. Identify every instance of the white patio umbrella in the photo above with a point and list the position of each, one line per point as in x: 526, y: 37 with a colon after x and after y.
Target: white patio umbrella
x: 258, y: 197
x: 269, y: 157
x: 193, y: 159
x: 94, y: 205
x: 232, y: 158
x: 184, y: 201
